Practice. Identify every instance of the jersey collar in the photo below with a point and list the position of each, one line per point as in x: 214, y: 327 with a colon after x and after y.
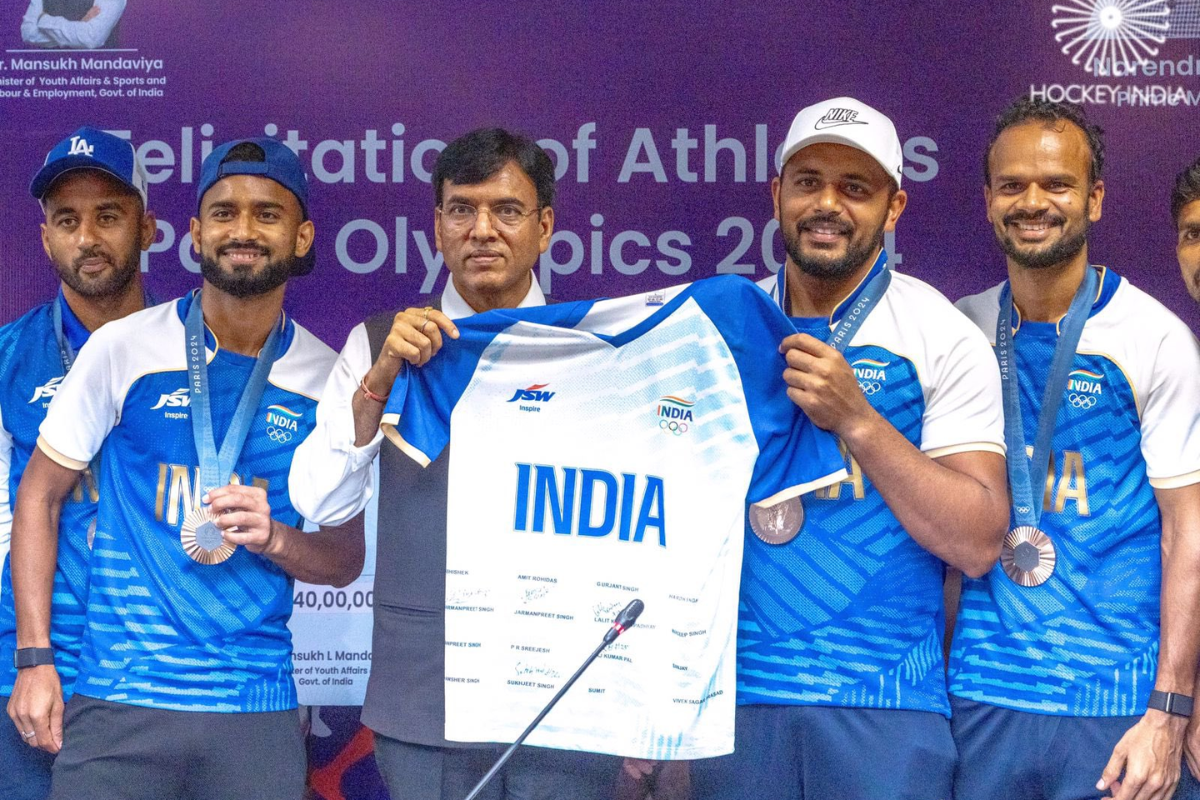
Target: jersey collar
x: 75, y: 331
x: 184, y: 304
x: 455, y: 307
x: 1109, y: 282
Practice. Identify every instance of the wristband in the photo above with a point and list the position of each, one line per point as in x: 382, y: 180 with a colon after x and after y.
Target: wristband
x: 33, y: 657
x: 1178, y: 704
x: 378, y: 398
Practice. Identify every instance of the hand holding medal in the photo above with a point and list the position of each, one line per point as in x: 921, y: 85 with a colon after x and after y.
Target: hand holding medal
x: 233, y: 516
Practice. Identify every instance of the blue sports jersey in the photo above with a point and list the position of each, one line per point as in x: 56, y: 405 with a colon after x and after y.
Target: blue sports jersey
x: 164, y: 631
x: 604, y: 451
x: 851, y: 613
x: 1085, y: 642
x: 32, y: 368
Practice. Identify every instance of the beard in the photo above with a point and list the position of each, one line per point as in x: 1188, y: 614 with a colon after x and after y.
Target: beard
x: 1062, y: 250
x: 830, y: 267
x: 243, y: 281
x: 114, y: 283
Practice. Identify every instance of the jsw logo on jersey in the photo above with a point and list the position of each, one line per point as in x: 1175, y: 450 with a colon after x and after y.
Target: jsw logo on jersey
x: 176, y: 399
x: 1086, y: 381
x: 47, y: 390
x: 574, y: 501
x: 532, y: 394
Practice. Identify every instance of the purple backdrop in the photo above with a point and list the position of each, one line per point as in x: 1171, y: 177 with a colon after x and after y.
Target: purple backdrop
x: 638, y: 98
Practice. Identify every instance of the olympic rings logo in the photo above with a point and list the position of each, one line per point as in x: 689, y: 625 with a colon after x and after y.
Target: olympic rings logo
x: 870, y: 387
x: 1083, y: 401
x: 279, y: 435
x: 677, y: 428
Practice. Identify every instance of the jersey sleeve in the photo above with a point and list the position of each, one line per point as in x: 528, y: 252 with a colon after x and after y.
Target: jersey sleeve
x: 795, y: 456
x: 85, y: 407
x: 964, y: 408
x: 1171, y: 412
x: 417, y: 415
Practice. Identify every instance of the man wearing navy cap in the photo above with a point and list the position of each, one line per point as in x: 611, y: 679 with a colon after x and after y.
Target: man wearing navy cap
x: 193, y: 409
x: 93, y: 193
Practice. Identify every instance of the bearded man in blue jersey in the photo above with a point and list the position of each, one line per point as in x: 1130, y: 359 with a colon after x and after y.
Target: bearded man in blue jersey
x: 193, y: 409
x: 841, y: 690
x: 1073, y: 664
x: 93, y: 193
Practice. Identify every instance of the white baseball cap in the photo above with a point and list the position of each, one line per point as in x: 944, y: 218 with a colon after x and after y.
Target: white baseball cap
x: 844, y: 120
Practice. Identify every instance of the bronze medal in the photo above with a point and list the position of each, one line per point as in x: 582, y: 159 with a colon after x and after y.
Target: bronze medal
x: 777, y: 524
x: 202, y: 540
x: 1028, y: 556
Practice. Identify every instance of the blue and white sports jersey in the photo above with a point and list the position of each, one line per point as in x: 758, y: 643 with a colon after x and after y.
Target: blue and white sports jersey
x: 850, y: 614
x: 606, y: 451
x: 1085, y: 642
x: 32, y: 368
x: 164, y: 631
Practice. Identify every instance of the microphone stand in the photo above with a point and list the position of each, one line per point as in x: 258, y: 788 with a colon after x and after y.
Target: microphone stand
x: 623, y: 622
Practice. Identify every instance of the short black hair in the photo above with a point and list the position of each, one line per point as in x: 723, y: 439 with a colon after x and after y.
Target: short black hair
x: 1187, y: 189
x: 245, y: 151
x: 1026, y: 109
x: 476, y: 156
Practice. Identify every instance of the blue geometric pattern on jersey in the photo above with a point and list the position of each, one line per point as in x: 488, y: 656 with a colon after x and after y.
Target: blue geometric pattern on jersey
x: 32, y: 368
x: 1085, y: 642
x: 849, y: 613
x: 163, y: 630
x: 745, y: 319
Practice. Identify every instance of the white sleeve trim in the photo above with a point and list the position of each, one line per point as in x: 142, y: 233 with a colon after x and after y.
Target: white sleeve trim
x: 969, y: 447
x: 59, y: 458
x: 1177, y: 481
x: 388, y: 426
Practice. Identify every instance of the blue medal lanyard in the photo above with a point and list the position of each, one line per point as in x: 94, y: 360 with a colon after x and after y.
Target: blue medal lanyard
x: 1022, y: 476
x: 855, y: 316
x: 216, y: 467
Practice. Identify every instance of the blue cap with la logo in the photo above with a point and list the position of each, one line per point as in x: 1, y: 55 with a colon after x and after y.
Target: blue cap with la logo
x: 91, y: 148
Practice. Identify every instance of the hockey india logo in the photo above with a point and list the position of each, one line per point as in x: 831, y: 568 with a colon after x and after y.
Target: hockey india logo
x: 1107, y: 36
x: 871, y: 374
x: 282, y: 424
x: 674, y: 414
x: 1084, y: 389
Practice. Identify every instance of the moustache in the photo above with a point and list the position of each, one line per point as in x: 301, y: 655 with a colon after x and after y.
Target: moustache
x: 839, y: 225
x: 94, y: 252
x: 1040, y: 216
x: 253, y: 246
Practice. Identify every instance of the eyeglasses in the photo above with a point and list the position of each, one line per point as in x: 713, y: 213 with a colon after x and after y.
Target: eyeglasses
x: 461, y: 215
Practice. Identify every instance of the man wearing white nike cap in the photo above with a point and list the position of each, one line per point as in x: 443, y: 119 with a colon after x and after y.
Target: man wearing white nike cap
x: 841, y: 690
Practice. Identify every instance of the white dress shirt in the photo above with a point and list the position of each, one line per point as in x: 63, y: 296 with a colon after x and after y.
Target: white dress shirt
x: 331, y: 480
x: 42, y: 29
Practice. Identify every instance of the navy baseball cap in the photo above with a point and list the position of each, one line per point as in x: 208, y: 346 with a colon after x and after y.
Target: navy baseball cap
x: 91, y: 148
x: 279, y: 164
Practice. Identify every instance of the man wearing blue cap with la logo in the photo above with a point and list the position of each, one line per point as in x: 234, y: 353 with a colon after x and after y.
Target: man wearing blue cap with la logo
x: 93, y: 193
x: 193, y: 408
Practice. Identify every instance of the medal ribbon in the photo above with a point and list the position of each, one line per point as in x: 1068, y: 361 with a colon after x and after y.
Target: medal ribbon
x: 853, y: 319
x: 1024, y: 473
x: 217, y: 467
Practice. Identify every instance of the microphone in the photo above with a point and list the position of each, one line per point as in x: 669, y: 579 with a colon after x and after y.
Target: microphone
x: 624, y: 621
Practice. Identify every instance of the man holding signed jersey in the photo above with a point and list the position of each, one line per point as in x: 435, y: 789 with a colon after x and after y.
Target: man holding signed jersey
x: 194, y: 407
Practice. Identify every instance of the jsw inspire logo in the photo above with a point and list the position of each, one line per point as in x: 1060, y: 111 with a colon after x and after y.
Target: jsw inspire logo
x: 176, y: 399
x: 532, y: 394
x: 46, y: 391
